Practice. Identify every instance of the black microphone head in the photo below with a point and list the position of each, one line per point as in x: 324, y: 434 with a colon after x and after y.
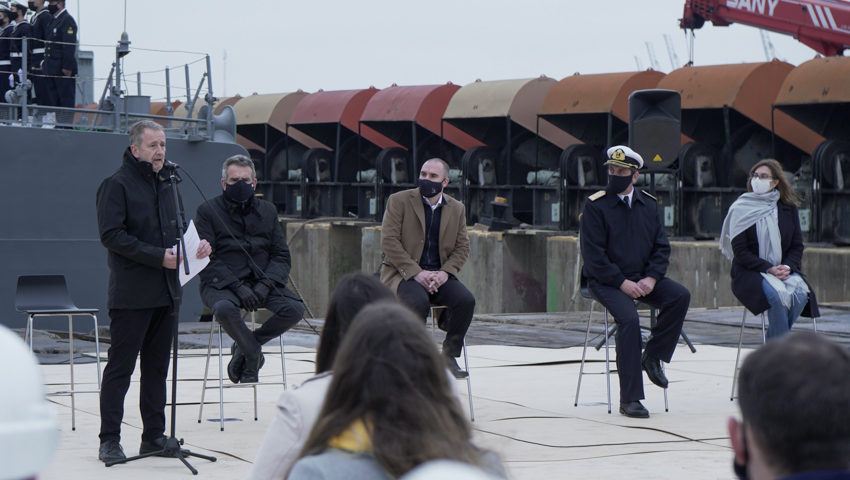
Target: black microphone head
x: 168, y: 165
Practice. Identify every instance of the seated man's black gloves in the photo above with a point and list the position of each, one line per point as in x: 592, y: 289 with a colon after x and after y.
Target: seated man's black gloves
x: 262, y: 289
x: 247, y: 298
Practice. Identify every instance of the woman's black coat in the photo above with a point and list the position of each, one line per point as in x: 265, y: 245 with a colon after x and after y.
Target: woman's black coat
x: 747, y: 266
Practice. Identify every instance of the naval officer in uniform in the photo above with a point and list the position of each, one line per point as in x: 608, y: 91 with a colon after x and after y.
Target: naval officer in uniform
x: 626, y: 254
x: 40, y: 21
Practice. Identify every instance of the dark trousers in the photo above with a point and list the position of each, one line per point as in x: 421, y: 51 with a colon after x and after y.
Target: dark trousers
x: 457, y: 299
x: 39, y: 88
x: 146, y: 333
x: 5, y: 112
x: 61, y: 93
x: 287, y: 312
x: 672, y: 300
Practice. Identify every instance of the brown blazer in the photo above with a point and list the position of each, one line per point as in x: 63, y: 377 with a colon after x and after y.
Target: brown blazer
x: 403, y: 237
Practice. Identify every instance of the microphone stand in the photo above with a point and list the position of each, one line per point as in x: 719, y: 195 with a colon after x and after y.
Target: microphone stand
x: 172, y: 444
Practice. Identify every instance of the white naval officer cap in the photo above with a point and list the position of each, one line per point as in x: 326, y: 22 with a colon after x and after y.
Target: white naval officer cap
x: 623, y: 156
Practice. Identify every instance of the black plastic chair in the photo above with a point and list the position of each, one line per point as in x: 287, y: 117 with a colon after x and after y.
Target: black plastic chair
x: 47, y: 296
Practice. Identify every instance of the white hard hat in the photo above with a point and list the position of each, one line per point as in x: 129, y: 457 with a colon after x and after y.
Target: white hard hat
x: 29, y: 430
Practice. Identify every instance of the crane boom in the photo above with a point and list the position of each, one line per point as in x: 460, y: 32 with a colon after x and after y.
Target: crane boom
x: 823, y: 25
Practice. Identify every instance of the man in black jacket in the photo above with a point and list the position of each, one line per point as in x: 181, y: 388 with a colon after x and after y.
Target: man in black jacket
x: 626, y: 253
x: 248, y: 268
x: 135, y: 211
x: 793, y: 393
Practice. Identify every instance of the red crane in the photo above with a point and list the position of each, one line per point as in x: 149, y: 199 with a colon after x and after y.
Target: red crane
x: 823, y: 25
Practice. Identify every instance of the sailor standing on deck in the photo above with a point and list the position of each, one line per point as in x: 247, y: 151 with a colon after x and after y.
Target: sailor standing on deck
x: 6, y: 27
x: 40, y: 21
x: 60, y: 63
x: 626, y: 254
x: 22, y: 29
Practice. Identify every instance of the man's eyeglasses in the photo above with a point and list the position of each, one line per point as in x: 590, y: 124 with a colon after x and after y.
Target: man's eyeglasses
x: 763, y: 176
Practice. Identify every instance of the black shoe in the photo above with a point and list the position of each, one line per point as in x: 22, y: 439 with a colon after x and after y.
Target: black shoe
x: 451, y: 363
x: 236, y: 365
x: 111, y: 451
x: 253, y: 364
x: 156, y: 446
x: 633, y: 409
x: 652, y: 367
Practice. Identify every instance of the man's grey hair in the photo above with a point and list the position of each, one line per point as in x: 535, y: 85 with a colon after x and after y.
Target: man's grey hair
x: 442, y: 162
x: 137, y: 131
x: 239, y: 161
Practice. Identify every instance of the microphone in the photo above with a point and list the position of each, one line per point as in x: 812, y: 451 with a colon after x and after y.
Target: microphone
x: 169, y: 165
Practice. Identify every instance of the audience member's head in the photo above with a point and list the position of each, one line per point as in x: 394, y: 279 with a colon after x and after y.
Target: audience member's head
x: 389, y: 375
x: 794, y: 394
x: 353, y: 292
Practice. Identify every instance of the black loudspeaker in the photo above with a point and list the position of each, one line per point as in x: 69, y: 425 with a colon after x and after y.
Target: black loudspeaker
x: 655, y: 126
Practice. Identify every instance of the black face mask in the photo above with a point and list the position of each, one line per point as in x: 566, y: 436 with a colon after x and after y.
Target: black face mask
x: 53, y: 9
x: 31, y: 5
x: 12, y: 16
x: 428, y: 188
x: 618, y: 184
x: 239, y: 191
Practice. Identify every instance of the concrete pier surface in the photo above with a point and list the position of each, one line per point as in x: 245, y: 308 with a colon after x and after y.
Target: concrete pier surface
x: 524, y: 370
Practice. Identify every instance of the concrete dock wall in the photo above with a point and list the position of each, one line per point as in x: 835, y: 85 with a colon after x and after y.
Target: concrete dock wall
x: 507, y: 272
x: 702, y: 269
x: 828, y: 270
x: 531, y: 271
x: 321, y: 254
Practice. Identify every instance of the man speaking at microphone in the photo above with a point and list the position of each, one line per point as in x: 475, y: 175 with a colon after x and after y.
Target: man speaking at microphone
x: 136, y: 217
x: 249, y: 268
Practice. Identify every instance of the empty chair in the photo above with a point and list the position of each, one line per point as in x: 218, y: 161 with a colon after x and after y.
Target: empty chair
x: 47, y: 296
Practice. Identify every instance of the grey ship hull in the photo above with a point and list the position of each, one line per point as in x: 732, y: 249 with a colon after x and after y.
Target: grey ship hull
x: 49, y: 223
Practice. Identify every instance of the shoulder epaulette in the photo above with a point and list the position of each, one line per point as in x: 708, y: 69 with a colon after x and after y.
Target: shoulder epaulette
x: 596, y: 196
x: 648, y: 195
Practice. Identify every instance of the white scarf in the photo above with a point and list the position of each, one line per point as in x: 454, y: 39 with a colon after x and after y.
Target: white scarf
x: 756, y: 209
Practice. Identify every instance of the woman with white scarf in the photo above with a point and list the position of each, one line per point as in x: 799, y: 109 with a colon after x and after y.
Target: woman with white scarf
x: 762, y: 237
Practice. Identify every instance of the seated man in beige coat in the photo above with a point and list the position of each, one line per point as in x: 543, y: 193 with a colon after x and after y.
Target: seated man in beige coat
x: 425, y: 245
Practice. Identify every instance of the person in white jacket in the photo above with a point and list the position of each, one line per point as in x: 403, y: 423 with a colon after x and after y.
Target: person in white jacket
x: 298, y: 408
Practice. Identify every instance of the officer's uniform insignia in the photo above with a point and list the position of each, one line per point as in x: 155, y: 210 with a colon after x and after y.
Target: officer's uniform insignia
x: 596, y: 196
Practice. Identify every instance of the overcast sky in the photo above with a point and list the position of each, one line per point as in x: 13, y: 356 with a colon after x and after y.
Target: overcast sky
x: 282, y: 46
